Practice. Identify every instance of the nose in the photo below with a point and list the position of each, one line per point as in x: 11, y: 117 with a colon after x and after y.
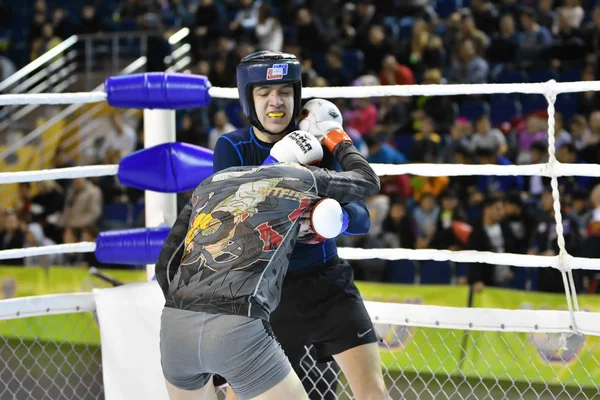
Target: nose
x: 275, y: 99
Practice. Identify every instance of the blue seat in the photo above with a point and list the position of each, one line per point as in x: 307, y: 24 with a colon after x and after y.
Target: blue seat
x: 542, y: 75
x: 520, y: 279
x: 570, y: 74
x: 533, y: 102
x: 566, y: 105
x: 462, y: 269
x: 401, y: 271
x: 234, y: 114
x: 435, y: 272
x: 117, y: 216
x: 472, y: 109
x: 503, y: 109
x: 404, y: 143
x: 444, y: 8
x: 511, y: 76
x: 405, y: 27
x: 353, y: 62
x: 392, y: 28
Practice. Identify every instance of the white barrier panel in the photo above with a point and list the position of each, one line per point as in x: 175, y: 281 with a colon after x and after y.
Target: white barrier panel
x: 129, y: 318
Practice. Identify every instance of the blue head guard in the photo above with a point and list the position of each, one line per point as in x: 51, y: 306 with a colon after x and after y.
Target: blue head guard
x: 268, y: 68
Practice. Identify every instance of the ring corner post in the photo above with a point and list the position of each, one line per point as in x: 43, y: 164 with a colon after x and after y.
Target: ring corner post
x: 159, y: 127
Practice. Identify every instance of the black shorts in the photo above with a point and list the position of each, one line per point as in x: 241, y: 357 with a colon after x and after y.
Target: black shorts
x: 324, y: 308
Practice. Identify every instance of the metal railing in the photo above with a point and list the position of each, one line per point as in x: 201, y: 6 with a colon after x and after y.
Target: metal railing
x: 84, y: 128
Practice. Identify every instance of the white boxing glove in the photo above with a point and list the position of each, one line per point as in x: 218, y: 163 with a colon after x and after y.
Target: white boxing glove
x: 297, y: 147
x: 319, y: 117
x: 323, y: 119
x: 325, y: 220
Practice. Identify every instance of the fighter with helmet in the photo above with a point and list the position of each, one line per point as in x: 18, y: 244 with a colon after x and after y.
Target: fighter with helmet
x: 320, y: 304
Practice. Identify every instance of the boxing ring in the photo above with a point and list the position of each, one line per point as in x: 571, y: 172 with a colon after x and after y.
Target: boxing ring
x: 128, y: 315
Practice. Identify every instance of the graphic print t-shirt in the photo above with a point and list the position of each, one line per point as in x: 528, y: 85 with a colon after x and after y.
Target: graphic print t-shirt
x: 242, y: 229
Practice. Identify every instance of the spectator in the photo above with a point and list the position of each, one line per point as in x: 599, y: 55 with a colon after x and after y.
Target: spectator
x: 579, y: 131
x: 485, y: 16
x: 535, y: 128
x: 246, y: 19
x: 496, y: 184
x: 382, y: 153
x: 45, y: 42
x: 83, y: 205
x: 572, y: 13
x: 208, y: 28
x: 491, y: 233
x: 488, y: 137
x: 427, y: 143
x: 311, y: 34
x: 504, y: 44
x: 560, y: 134
x: 375, y: 48
x: 364, y: 118
x: 591, y: 140
x: 591, y: 33
x: 335, y: 71
x: 545, y: 243
x: 569, y: 184
x: 534, y: 185
x: 545, y: 14
x: 469, y: 67
x: 398, y: 229
x: 425, y: 216
x: 268, y: 30
x: 63, y: 28
x: 35, y: 237
x: 90, y: 21
x: 521, y: 219
x: 589, y: 101
x: 12, y: 237
x: 221, y: 126
x: 394, y: 73
x: 533, y: 40
x: 121, y: 137
x: 460, y: 136
x: 468, y: 30
x: 450, y: 212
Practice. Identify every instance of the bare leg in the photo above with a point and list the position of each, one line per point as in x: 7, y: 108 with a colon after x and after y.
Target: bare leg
x: 205, y: 393
x: 361, y: 366
x: 289, y: 388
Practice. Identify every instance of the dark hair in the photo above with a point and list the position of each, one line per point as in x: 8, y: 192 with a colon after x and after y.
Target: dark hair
x: 490, y: 199
x: 539, y: 145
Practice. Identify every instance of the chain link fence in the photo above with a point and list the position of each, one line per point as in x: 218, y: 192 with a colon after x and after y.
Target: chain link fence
x: 53, y: 357
x: 58, y: 357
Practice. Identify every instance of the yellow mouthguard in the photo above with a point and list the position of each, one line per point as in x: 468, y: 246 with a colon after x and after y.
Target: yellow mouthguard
x: 275, y: 114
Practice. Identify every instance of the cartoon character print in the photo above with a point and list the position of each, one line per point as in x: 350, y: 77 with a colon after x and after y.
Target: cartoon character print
x: 220, y: 236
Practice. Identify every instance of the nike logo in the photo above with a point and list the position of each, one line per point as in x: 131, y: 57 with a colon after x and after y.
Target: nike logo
x: 363, y: 334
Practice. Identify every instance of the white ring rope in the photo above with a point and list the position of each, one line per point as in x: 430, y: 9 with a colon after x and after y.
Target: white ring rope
x: 381, y: 170
x: 59, y: 173
x: 349, y: 253
x: 52, y: 98
x: 81, y: 247
x: 354, y: 92
x: 340, y: 92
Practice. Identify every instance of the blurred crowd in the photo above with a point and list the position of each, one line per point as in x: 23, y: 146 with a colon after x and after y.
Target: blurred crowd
x: 382, y: 42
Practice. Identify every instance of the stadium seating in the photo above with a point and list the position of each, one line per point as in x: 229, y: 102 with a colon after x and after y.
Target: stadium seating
x: 435, y: 272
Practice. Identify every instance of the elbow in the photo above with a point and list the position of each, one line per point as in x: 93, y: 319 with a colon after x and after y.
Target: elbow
x: 375, y: 186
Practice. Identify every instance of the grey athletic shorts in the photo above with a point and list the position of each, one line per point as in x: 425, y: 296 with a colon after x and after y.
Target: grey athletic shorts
x: 195, y: 345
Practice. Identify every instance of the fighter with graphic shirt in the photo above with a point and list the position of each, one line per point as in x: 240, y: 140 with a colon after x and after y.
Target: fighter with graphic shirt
x: 222, y: 266
x: 320, y: 305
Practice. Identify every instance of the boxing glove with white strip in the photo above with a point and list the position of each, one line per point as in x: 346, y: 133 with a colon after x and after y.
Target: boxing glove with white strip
x: 296, y: 147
